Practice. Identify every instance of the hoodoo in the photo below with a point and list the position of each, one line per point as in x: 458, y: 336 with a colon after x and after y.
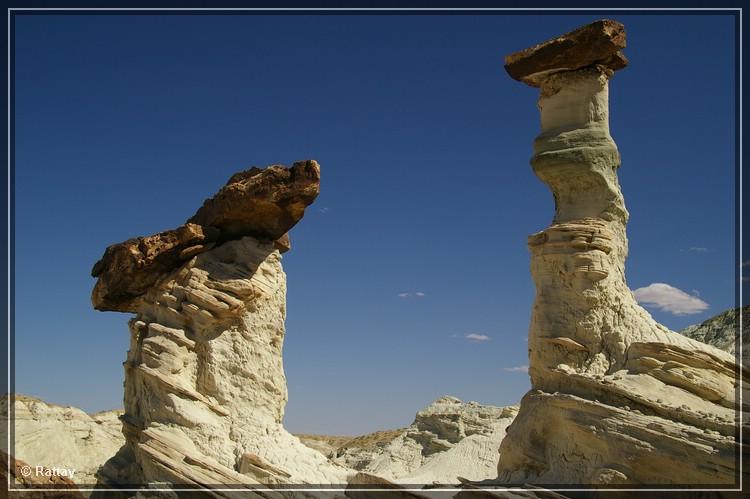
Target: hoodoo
x: 205, y: 389
x: 616, y: 397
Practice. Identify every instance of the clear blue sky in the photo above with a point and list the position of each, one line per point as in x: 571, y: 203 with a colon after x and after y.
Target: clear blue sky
x: 124, y: 124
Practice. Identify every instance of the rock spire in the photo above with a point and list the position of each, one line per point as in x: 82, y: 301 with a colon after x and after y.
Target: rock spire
x: 205, y: 389
x: 616, y: 397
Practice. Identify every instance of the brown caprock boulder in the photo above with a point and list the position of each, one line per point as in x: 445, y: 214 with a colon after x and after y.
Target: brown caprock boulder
x: 262, y: 203
x: 599, y: 43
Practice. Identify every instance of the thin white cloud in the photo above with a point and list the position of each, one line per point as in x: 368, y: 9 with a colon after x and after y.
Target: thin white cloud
x: 324, y: 210
x: 404, y: 295
x: 516, y: 369
x: 669, y: 299
x: 477, y: 337
x: 698, y: 249
x: 418, y: 294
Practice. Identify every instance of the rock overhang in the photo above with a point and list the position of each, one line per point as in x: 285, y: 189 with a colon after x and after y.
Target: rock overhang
x: 596, y: 44
x: 264, y: 203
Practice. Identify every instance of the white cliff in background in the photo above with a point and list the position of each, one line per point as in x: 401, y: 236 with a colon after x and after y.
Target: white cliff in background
x: 447, y: 440
x: 60, y: 437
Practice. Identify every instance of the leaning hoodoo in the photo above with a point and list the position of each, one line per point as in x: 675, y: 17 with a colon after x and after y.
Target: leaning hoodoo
x: 616, y: 397
x: 205, y: 389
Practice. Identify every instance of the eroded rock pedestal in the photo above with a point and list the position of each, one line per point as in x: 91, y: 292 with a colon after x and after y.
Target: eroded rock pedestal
x: 616, y: 397
x: 204, y: 382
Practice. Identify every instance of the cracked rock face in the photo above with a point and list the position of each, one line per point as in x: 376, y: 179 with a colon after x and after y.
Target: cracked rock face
x: 616, y: 397
x: 205, y: 389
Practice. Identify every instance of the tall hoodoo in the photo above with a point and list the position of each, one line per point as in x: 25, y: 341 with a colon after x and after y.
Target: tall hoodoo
x: 616, y: 397
x: 205, y: 389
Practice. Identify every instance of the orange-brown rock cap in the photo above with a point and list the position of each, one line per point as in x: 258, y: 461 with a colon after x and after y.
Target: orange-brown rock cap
x: 260, y: 202
x: 265, y: 203
x: 598, y: 43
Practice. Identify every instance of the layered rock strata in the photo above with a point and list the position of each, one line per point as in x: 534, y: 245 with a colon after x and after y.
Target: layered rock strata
x: 205, y: 389
x: 616, y: 397
x: 723, y: 331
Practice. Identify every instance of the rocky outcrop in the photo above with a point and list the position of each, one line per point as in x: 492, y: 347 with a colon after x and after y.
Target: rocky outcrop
x: 723, y: 330
x: 616, y: 397
x: 261, y: 203
x: 54, y: 436
x: 447, y: 440
x: 204, y: 382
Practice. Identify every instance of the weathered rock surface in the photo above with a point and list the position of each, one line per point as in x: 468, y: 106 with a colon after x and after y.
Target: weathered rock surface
x: 723, y: 330
x: 53, y: 436
x: 448, y: 439
x: 262, y: 203
x: 599, y: 43
x: 204, y: 374
x: 616, y: 398
x: 128, y: 269
x: 448, y: 442
x: 205, y: 389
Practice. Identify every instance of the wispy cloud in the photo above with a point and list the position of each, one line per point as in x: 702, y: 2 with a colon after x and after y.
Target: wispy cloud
x: 698, y: 249
x: 477, y: 337
x: 669, y: 299
x: 416, y: 294
x: 324, y: 210
x: 516, y: 369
